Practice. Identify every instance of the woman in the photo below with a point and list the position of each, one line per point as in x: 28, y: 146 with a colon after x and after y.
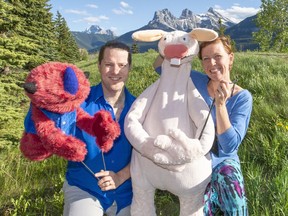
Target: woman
x: 231, y: 110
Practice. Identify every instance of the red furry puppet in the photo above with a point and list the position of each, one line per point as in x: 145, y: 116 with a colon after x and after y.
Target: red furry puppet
x: 56, y: 91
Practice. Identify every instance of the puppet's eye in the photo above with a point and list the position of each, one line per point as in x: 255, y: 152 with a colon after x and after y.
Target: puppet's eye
x: 165, y: 38
x: 184, y: 38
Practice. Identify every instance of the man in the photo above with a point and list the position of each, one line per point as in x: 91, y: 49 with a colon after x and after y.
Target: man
x: 109, y: 191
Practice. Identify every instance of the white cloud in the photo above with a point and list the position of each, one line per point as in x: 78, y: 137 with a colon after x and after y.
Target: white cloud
x: 124, y: 4
x: 237, y: 13
x: 122, y: 11
x: 78, y: 12
x: 95, y: 19
x: 91, y: 5
x: 125, y: 8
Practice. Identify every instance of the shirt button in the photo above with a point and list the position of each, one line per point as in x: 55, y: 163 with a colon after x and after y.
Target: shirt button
x: 64, y: 122
x: 112, y: 161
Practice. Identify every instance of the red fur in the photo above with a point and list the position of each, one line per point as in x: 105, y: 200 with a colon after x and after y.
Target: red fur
x: 50, y: 95
x: 103, y: 127
x: 32, y: 147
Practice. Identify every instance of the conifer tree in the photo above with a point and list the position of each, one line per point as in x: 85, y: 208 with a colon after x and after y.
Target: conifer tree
x: 26, y: 33
x: 221, y: 32
x: 272, y: 21
x: 67, y: 46
x: 135, y: 48
x: 37, y: 25
x: 222, y: 28
x: 11, y: 43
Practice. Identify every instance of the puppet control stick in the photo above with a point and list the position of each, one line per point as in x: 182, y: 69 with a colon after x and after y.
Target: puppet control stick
x: 89, y: 169
x: 210, y: 109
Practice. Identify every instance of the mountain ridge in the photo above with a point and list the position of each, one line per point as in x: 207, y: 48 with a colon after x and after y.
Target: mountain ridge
x: 94, y: 37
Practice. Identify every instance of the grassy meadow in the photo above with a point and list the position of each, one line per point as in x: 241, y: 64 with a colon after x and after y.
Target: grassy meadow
x: 34, y: 188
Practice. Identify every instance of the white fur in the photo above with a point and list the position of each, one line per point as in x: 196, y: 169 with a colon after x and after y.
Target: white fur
x: 164, y: 124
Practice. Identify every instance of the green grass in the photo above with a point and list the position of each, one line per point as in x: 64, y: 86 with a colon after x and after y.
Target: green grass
x: 34, y: 188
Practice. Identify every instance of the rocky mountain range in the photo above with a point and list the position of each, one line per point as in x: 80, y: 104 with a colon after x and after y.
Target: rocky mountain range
x: 165, y: 20
x: 94, y: 37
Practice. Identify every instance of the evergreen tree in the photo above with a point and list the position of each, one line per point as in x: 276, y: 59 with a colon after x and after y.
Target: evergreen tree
x: 67, y: 46
x: 84, y: 55
x: 36, y: 24
x: 135, y: 48
x: 221, y: 32
x: 221, y: 28
x: 273, y: 23
x: 12, y: 45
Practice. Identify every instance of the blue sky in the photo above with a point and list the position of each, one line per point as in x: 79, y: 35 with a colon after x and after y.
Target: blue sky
x: 128, y: 15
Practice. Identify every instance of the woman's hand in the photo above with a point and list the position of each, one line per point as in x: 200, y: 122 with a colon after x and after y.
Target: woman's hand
x: 222, y: 93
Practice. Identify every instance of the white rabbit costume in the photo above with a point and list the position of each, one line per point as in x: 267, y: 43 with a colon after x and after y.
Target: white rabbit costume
x: 164, y: 125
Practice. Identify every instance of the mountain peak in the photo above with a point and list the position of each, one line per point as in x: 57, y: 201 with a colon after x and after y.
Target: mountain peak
x: 214, y: 13
x: 163, y: 14
x: 186, y: 13
x: 95, y: 29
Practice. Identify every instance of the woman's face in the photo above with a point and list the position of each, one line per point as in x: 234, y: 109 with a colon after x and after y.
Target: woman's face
x: 216, y: 62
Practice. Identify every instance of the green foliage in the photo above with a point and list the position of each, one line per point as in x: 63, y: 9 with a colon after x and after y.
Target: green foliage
x: 273, y: 23
x: 34, y: 188
x: 13, y: 104
x: 221, y: 28
x: 30, y: 188
x: 29, y: 36
x: 264, y: 150
x: 11, y: 43
x: 68, y: 50
x: 84, y: 55
x: 166, y: 203
x: 142, y: 73
x: 135, y: 48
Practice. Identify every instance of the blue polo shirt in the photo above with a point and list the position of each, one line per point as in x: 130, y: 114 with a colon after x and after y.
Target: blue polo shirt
x: 116, y: 159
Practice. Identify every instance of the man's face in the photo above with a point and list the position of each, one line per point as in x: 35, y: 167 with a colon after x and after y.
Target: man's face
x: 114, y: 70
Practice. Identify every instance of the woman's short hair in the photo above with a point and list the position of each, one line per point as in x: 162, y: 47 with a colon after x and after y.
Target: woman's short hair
x: 226, y: 41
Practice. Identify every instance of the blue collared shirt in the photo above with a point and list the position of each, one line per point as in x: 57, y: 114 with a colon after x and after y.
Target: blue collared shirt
x: 65, y: 122
x: 116, y: 159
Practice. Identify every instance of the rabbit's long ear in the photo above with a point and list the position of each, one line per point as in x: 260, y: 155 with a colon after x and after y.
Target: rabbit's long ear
x: 203, y: 34
x: 148, y: 35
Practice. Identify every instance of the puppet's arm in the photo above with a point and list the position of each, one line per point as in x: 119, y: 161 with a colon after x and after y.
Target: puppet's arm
x: 182, y: 148
x: 142, y: 142
x: 55, y: 141
x: 32, y: 147
x: 101, y: 125
x: 134, y: 131
x: 30, y: 144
